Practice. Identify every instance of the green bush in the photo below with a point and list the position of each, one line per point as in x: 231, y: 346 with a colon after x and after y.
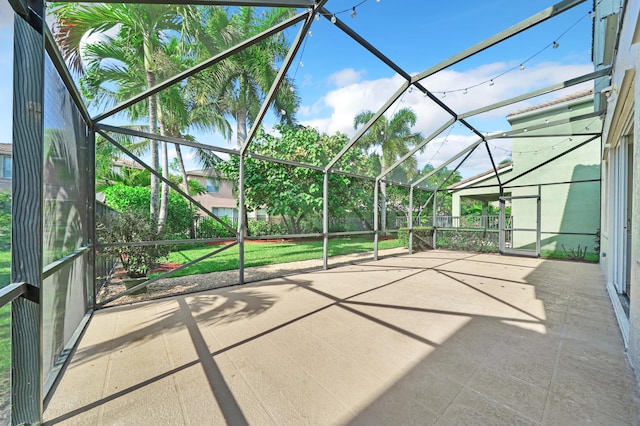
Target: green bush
x: 130, y: 226
x: 211, y: 228
x: 5, y: 221
x: 422, y: 237
x: 259, y: 228
x: 468, y: 240
x: 127, y: 198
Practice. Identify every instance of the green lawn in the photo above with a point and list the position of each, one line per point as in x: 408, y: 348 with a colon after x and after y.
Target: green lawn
x: 5, y: 353
x: 549, y: 254
x: 268, y: 253
x: 5, y: 330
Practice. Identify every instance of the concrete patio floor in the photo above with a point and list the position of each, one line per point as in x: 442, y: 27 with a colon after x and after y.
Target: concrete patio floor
x: 434, y: 338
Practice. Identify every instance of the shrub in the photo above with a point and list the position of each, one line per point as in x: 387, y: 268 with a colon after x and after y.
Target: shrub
x: 5, y: 221
x: 260, y: 227
x: 130, y: 226
x: 422, y: 237
x: 127, y: 198
x: 468, y: 240
x: 211, y: 228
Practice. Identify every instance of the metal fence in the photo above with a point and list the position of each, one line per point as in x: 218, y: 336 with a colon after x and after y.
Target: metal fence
x: 456, y: 222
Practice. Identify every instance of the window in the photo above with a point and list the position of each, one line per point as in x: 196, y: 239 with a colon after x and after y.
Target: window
x: 213, y: 185
x: 6, y: 167
x: 232, y: 214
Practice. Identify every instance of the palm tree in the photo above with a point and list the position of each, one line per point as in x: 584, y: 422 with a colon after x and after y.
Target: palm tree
x: 395, y: 139
x: 239, y: 84
x: 144, y: 26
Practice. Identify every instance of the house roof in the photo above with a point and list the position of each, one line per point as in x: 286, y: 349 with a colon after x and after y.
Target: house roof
x: 552, y: 102
x: 502, y: 168
x: 127, y: 163
x: 204, y: 173
x: 6, y: 148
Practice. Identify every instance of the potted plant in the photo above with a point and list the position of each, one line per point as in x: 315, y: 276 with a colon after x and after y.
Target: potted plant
x: 137, y: 260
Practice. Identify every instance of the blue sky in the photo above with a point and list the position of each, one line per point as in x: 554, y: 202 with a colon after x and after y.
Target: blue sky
x: 337, y: 78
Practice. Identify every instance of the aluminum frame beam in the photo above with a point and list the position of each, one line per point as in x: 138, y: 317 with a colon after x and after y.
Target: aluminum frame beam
x: 282, y: 72
x: 171, y: 139
x: 163, y: 275
x: 201, y: 66
x: 545, y: 125
x: 544, y: 163
x: 63, y: 71
x: 417, y: 148
x: 199, y: 145
x: 550, y: 135
x: 258, y: 3
x: 171, y: 184
x: 507, y: 187
x: 549, y: 89
x: 446, y: 163
x: 367, y: 126
x: 532, y: 21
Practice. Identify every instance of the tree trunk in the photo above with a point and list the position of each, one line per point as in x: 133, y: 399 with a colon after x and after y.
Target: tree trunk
x: 185, y: 184
x: 153, y: 119
x: 164, y: 193
x: 383, y: 204
x: 241, y: 136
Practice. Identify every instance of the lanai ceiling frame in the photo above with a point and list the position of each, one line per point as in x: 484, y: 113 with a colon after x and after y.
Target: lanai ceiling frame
x: 410, y: 81
x: 317, y: 7
x: 415, y: 80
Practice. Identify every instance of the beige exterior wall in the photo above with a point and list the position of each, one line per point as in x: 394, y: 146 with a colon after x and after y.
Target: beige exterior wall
x: 224, y: 198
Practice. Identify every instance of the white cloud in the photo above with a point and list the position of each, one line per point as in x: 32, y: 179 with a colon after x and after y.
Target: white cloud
x: 346, y: 77
x: 344, y: 103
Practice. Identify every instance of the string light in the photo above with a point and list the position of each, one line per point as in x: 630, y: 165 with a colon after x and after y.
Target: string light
x: 522, y: 66
x: 351, y: 9
x: 535, y: 151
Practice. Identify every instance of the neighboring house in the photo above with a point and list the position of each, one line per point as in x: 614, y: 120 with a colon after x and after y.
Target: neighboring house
x: 466, y: 188
x: 122, y: 163
x: 5, y: 167
x: 220, y: 198
x: 569, y: 185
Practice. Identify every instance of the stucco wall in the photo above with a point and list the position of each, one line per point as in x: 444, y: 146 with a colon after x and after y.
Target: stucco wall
x: 572, y: 208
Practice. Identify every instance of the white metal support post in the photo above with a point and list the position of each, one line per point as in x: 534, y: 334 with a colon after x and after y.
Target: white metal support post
x: 410, y: 227
x: 325, y: 221
x: 376, y: 218
x: 241, y: 216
